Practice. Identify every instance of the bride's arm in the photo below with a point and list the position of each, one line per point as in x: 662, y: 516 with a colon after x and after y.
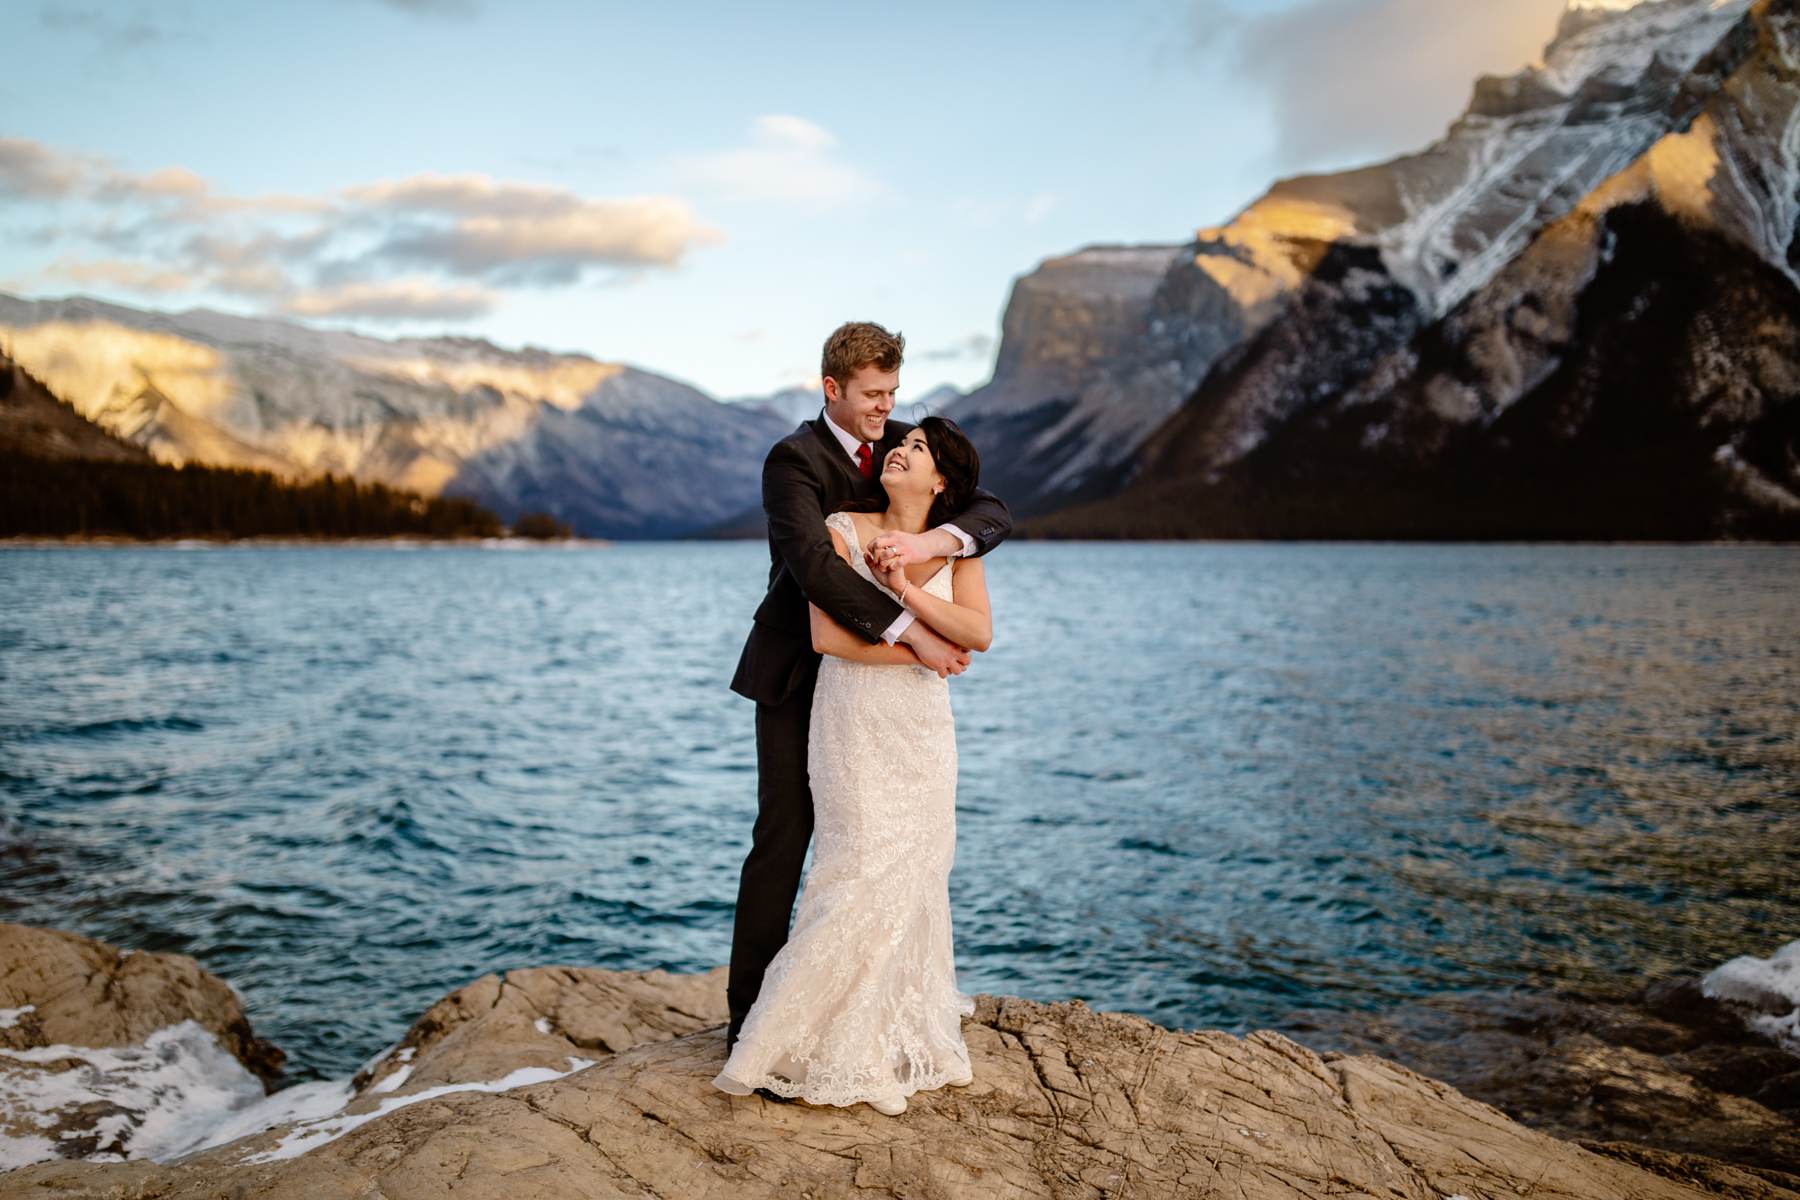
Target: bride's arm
x: 965, y: 620
x: 829, y: 637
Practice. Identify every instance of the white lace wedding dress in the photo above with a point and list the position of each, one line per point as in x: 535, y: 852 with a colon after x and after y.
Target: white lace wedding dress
x: 862, y: 1003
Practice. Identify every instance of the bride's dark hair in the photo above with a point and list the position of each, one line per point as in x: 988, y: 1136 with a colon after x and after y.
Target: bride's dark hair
x: 953, y: 454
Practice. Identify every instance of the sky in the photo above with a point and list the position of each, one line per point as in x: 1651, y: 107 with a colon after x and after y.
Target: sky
x: 700, y: 190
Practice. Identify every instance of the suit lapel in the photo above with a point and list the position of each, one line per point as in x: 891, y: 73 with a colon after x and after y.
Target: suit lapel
x: 834, y: 450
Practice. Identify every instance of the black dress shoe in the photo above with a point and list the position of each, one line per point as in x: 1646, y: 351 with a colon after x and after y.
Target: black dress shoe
x: 777, y: 1097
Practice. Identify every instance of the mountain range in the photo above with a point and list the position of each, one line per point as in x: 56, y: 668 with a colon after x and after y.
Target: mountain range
x: 1576, y: 314
x: 603, y: 446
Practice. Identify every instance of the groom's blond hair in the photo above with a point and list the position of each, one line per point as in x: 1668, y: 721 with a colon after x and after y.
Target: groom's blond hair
x: 858, y: 344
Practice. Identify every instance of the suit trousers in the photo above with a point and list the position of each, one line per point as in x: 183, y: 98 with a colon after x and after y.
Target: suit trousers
x: 770, y: 879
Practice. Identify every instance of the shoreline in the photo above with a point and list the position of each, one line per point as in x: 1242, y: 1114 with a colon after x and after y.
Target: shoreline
x: 172, y: 1075
x: 580, y: 1081
x: 396, y: 541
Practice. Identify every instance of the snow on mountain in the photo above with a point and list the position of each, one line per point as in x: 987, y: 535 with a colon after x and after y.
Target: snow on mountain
x: 1411, y: 236
x: 802, y: 403
x: 791, y: 405
x: 1633, y: 371
x: 603, y: 446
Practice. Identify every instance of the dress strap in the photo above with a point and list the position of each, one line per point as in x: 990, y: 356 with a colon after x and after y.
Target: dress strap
x: 842, y: 522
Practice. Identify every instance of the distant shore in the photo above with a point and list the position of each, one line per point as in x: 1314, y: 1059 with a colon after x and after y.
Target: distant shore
x: 226, y: 543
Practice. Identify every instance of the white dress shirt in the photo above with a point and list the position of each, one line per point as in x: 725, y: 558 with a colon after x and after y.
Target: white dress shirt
x: 849, y: 442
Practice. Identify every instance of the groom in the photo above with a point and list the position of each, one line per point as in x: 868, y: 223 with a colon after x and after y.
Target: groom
x: 826, y: 461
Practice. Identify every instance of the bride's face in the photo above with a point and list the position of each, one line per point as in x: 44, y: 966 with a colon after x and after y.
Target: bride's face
x: 908, y: 469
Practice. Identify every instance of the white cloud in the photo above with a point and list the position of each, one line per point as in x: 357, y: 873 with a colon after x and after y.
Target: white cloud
x: 1353, y: 79
x: 30, y: 170
x: 365, y: 250
x: 111, y: 29
x: 997, y: 210
x: 974, y: 346
x: 779, y: 130
x: 136, y: 277
x: 434, y: 8
x: 514, y: 232
x: 393, y: 300
x: 170, y: 182
x: 788, y: 160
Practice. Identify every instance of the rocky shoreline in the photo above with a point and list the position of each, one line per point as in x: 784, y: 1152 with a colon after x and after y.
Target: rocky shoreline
x: 1661, y: 1065
x: 568, y: 1081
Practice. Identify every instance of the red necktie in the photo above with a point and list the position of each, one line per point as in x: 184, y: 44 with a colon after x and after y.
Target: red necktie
x: 865, y: 459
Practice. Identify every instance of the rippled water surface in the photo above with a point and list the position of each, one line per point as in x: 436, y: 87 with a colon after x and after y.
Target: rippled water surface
x: 1207, y: 783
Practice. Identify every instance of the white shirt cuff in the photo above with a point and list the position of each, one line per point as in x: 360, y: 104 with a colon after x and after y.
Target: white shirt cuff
x: 893, y: 632
x: 968, y: 543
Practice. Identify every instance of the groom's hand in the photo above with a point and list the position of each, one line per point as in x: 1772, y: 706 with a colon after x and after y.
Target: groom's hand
x: 897, y: 551
x: 946, y: 658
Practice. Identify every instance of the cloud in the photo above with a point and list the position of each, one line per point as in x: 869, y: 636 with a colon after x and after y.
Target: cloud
x: 114, y: 272
x: 393, y: 300
x: 788, y: 160
x: 32, y: 171
x: 1356, y: 79
x: 434, y: 8
x: 109, y: 27
x: 977, y: 346
x: 366, y: 250
x: 464, y: 195
x: 527, y: 233
x: 997, y: 210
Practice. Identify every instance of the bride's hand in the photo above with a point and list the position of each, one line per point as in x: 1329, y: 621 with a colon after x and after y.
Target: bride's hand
x: 888, y: 567
x: 892, y: 578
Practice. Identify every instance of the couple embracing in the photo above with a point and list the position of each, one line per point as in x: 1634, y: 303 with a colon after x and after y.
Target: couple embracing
x: 876, y: 597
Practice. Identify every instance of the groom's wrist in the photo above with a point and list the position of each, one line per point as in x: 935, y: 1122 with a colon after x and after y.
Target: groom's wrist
x: 961, y: 544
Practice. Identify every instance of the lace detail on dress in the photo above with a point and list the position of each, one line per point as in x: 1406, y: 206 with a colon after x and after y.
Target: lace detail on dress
x: 862, y: 1003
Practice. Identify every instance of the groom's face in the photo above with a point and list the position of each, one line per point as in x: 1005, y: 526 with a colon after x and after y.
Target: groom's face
x: 863, y: 404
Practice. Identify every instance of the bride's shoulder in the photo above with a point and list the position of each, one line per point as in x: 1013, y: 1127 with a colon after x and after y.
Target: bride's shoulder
x: 847, y: 523
x: 843, y: 527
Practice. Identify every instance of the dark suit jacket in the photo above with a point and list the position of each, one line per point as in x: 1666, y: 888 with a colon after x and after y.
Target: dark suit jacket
x: 807, y: 475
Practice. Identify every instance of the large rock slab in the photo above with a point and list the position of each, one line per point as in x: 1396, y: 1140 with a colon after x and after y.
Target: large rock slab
x: 109, y: 1052
x: 1066, y: 1102
x: 63, y: 988
x: 540, y: 1017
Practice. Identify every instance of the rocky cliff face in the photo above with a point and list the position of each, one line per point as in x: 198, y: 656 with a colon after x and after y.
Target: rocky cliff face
x: 1633, y: 371
x: 1321, y: 290
x: 37, y: 424
x: 1048, y: 420
x: 603, y: 446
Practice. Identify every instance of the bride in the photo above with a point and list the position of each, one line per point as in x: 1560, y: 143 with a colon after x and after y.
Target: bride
x: 861, y: 1004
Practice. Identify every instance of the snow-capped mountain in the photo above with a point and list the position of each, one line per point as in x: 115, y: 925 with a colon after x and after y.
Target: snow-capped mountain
x: 791, y: 405
x: 613, y: 450
x: 1632, y: 370
x: 1102, y: 347
x: 802, y: 403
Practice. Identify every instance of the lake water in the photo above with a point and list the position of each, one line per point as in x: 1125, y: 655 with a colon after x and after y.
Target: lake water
x: 1211, y: 784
